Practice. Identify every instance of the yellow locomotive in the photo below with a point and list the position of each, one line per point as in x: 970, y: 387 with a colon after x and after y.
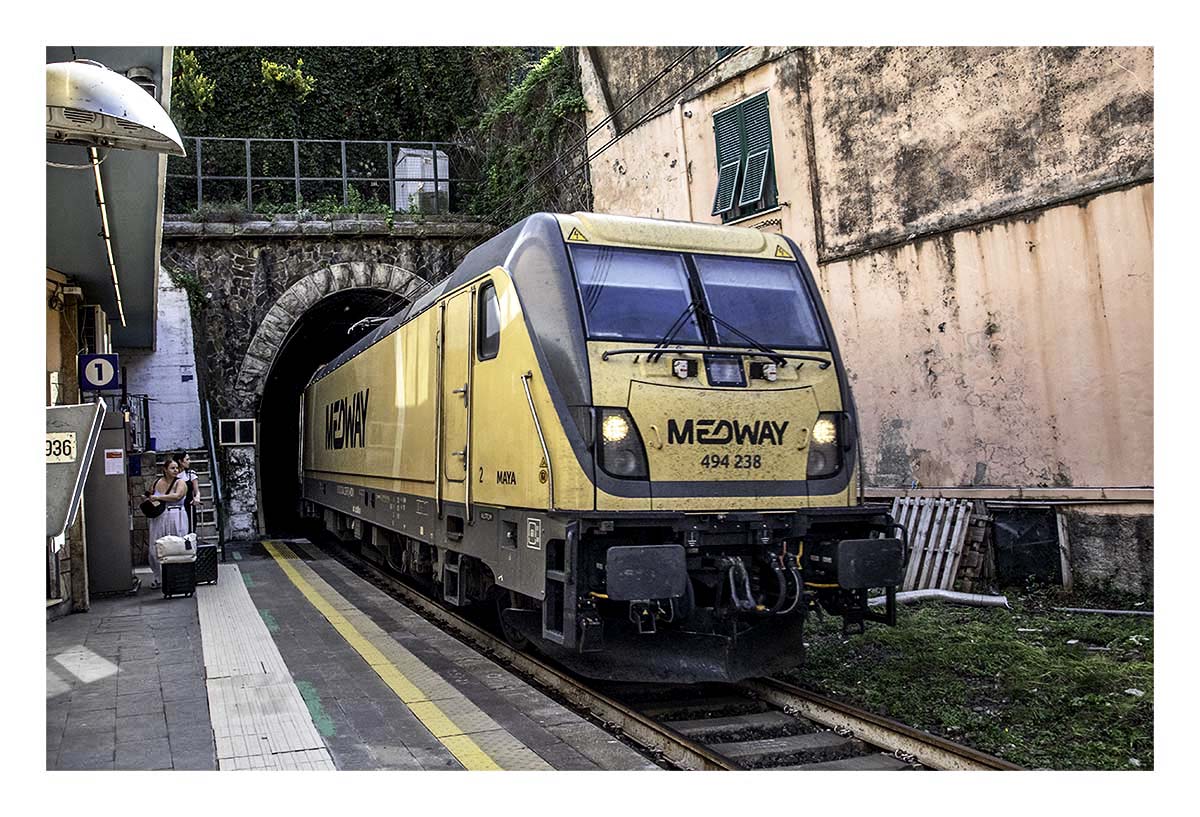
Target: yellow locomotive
x: 634, y: 436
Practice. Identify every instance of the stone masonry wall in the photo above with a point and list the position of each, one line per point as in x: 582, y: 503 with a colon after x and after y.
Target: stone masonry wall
x: 249, y: 283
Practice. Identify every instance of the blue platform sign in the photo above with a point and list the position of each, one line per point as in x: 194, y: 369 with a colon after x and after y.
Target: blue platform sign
x: 98, y: 372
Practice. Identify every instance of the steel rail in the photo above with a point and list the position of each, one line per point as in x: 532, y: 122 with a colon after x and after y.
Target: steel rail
x: 929, y: 750
x: 660, y: 741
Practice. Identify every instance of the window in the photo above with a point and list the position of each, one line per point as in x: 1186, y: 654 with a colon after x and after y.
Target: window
x: 745, y: 165
x: 766, y: 299
x: 724, y: 51
x: 632, y: 294
x: 488, y: 323
x: 236, y: 432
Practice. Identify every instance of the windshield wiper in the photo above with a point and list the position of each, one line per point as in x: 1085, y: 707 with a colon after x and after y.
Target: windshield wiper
x: 660, y: 348
x: 676, y: 325
x: 778, y: 358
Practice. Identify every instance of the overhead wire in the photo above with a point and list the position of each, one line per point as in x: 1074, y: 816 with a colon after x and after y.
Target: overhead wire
x: 595, y: 129
x: 645, y: 117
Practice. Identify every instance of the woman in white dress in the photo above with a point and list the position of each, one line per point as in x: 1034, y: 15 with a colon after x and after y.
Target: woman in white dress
x: 170, y: 490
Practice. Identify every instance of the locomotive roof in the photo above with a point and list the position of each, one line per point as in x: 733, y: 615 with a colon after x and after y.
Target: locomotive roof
x: 534, y: 254
x: 539, y: 232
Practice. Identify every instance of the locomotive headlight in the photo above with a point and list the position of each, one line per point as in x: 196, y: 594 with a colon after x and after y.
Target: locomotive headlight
x: 620, y: 452
x: 824, y: 453
x: 614, y: 428
x: 824, y: 431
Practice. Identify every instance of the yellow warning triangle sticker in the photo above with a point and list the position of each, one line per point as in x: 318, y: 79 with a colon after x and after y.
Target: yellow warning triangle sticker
x: 576, y: 235
x: 543, y: 465
x: 780, y: 252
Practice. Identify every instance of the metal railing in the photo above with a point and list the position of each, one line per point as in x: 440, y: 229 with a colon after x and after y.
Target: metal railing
x: 214, y: 468
x: 353, y: 163
x: 137, y: 409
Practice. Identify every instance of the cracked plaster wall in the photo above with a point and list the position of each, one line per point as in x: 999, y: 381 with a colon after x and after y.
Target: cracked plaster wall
x: 980, y: 223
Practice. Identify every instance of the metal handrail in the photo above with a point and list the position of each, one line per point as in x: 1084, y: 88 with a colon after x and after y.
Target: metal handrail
x: 525, y: 378
x: 215, y: 469
x: 344, y: 178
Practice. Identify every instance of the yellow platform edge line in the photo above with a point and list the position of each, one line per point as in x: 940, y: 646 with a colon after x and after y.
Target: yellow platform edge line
x: 431, y: 716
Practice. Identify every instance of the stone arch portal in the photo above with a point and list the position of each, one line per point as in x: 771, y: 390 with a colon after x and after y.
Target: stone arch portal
x: 247, y: 466
x: 302, y: 296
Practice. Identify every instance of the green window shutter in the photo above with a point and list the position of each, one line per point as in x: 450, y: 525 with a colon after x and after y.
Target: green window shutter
x: 729, y: 158
x: 757, y: 128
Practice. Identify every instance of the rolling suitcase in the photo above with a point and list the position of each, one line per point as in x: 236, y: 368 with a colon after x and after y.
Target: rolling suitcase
x: 177, y: 559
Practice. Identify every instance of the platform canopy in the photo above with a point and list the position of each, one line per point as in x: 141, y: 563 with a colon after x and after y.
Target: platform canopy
x: 133, y: 182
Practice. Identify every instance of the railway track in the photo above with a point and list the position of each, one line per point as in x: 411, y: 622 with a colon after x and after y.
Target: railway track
x: 757, y: 724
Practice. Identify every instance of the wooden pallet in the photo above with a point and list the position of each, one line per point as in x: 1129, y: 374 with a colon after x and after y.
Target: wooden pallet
x: 937, y: 529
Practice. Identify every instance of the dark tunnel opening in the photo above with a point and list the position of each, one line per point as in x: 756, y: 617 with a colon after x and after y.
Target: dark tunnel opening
x: 319, y: 336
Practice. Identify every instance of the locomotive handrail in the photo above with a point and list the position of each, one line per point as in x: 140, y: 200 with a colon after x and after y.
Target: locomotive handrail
x: 469, y: 401
x: 825, y: 364
x: 439, y: 432
x: 525, y: 378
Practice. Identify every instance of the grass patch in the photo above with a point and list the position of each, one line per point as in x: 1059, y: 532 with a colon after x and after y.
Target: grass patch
x: 1040, y: 688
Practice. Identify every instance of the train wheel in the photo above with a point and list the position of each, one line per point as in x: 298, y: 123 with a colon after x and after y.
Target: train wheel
x: 511, y: 634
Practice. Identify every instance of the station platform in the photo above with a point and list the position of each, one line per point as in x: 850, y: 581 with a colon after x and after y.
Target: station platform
x: 290, y: 661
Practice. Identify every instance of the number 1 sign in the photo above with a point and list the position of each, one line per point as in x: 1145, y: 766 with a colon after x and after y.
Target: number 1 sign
x: 98, y: 372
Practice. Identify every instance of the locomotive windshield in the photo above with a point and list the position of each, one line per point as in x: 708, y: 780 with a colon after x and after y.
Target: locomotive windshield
x: 639, y: 295
x: 767, y: 295
x: 633, y: 294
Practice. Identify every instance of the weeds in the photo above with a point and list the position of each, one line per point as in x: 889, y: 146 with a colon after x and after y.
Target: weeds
x: 235, y: 212
x: 1043, y: 689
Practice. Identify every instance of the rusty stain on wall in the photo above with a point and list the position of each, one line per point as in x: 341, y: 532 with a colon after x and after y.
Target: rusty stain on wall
x: 916, y: 140
x: 987, y: 247
x: 968, y: 369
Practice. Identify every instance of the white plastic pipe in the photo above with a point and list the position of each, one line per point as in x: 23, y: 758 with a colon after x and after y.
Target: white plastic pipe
x: 913, y: 596
x: 1103, y: 612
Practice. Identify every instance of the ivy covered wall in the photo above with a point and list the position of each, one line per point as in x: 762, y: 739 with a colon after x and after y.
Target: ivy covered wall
x: 512, y: 109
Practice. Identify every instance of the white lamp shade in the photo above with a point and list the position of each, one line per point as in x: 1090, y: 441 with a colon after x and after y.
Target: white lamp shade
x: 88, y: 104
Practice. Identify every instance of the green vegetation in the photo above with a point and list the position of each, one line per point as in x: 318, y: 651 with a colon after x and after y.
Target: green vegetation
x: 285, y: 78
x: 352, y: 93
x: 522, y: 131
x: 190, y: 284
x: 323, y: 208
x: 513, y: 109
x: 192, y: 92
x: 1040, y: 688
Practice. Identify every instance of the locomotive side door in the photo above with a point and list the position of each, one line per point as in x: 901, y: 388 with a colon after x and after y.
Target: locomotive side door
x: 456, y: 396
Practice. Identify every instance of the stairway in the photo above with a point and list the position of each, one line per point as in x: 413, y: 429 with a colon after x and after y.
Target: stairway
x: 206, y: 514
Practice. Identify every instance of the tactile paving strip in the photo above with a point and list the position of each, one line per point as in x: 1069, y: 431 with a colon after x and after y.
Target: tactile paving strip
x: 467, y: 731
x: 259, y: 719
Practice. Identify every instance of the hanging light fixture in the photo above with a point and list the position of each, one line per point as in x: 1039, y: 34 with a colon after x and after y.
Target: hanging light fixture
x: 88, y: 104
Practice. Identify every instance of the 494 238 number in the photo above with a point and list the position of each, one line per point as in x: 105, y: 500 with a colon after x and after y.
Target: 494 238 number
x: 742, y: 461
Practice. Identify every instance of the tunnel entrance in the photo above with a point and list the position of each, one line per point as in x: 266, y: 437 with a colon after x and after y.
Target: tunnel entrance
x: 320, y: 335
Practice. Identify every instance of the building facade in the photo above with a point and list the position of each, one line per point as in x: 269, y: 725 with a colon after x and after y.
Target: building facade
x: 980, y: 223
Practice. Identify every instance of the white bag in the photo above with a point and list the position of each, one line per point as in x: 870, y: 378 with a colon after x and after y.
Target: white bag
x: 175, y: 549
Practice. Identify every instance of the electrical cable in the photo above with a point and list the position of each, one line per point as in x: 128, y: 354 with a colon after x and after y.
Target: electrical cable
x: 595, y: 129
x: 649, y: 114
x: 88, y: 166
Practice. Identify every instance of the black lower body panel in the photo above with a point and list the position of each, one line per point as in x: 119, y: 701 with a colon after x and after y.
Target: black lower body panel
x: 680, y: 657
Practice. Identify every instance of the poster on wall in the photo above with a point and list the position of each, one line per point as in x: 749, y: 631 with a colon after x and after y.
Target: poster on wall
x: 114, y: 461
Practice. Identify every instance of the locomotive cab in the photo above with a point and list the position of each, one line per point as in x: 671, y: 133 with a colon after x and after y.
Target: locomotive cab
x: 725, y: 447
